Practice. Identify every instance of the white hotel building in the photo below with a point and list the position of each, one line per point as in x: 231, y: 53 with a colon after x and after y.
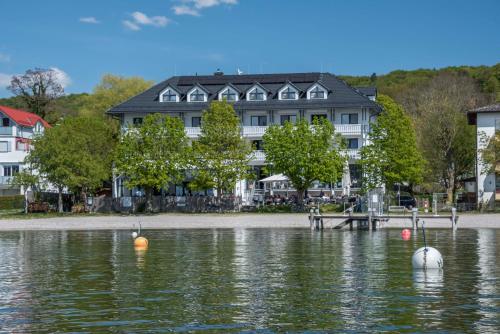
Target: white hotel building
x: 17, y: 128
x: 260, y: 100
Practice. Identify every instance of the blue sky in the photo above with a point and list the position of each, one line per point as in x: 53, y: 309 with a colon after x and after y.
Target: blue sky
x: 156, y: 39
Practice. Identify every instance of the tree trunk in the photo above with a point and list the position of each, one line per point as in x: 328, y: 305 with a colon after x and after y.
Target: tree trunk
x: 300, y: 198
x: 60, y: 208
x: 25, y: 200
x: 450, y: 189
x: 149, y: 199
x: 84, y: 198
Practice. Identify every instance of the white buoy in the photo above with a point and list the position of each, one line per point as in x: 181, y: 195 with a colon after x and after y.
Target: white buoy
x: 427, y: 258
x: 134, y: 234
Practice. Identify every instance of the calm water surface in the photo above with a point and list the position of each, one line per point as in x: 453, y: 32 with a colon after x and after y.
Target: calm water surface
x: 246, y: 281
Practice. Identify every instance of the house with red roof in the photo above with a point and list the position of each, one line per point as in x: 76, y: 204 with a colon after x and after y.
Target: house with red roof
x: 17, y: 129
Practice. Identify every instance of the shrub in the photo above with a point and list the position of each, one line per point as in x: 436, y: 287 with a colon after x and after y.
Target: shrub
x: 11, y: 202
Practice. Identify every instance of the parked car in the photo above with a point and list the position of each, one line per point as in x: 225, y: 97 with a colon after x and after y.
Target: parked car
x: 407, y: 201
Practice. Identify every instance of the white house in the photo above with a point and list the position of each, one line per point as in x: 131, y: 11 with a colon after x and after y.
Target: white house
x: 17, y: 128
x: 261, y: 100
x: 487, y: 121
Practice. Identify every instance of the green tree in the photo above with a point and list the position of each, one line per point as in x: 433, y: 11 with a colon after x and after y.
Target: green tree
x: 75, y: 154
x: 445, y: 139
x: 392, y: 156
x: 111, y: 91
x: 153, y: 154
x: 221, y: 155
x: 26, y: 179
x: 490, y: 153
x: 305, y: 153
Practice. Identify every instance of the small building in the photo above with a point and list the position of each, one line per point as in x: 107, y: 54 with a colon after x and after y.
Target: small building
x: 487, y: 122
x: 17, y: 129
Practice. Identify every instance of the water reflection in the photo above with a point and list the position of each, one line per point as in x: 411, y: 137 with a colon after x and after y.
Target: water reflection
x: 245, y: 280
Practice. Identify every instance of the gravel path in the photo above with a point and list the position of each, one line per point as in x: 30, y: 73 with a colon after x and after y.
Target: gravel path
x: 194, y: 221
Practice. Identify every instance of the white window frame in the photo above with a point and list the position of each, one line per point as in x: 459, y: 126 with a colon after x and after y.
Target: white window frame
x: 325, y: 92
x: 205, y: 94
x: 177, y: 97
x: 288, y: 86
x: 260, y: 90
x: 233, y: 91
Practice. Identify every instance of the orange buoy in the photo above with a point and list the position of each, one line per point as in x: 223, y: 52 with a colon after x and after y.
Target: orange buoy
x: 141, y: 242
x: 406, y: 234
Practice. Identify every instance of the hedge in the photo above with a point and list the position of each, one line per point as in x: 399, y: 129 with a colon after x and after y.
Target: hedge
x: 11, y: 202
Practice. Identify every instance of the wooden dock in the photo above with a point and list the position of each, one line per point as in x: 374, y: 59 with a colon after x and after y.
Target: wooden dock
x: 372, y: 221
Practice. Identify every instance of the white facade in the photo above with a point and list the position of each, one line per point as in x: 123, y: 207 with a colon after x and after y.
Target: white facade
x: 487, y: 124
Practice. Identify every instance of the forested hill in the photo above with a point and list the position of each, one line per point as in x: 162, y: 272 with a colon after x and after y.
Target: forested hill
x: 398, y: 82
x: 394, y: 84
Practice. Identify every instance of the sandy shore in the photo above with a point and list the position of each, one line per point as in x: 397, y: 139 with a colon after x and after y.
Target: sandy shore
x: 194, y: 221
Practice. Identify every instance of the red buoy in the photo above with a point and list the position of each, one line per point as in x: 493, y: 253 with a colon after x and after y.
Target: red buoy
x: 406, y: 234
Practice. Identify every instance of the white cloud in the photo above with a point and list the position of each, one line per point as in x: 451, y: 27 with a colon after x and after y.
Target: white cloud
x: 139, y: 19
x: 5, y: 80
x: 185, y: 10
x: 131, y: 25
x: 62, y: 77
x: 90, y: 19
x: 4, y: 58
x: 193, y: 7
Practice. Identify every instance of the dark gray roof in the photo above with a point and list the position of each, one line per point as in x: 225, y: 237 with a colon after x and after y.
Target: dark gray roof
x: 341, y: 94
x: 367, y: 91
x: 491, y: 108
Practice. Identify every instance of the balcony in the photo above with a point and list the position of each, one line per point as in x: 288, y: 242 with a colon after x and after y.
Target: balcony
x: 348, y: 129
x: 254, y: 131
x: 353, y: 154
x: 258, y: 155
x: 5, y: 180
x: 193, y: 132
x: 6, y: 130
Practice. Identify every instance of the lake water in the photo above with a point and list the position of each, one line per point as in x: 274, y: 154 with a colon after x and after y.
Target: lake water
x: 246, y: 281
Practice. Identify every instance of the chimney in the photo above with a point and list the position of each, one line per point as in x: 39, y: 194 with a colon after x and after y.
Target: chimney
x: 218, y: 72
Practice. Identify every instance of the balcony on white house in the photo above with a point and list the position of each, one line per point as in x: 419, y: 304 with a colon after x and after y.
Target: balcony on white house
x: 6, y: 131
x: 258, y: 131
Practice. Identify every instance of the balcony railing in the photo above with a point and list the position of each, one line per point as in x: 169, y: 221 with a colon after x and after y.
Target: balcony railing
x: 6, y: 179
x: 254, y: 131
x: 258, y: 155
x: 193, y: 132
x: 258, y: 131
x: 353, y: 153
x: 6, y: 130
x: 348, y: 129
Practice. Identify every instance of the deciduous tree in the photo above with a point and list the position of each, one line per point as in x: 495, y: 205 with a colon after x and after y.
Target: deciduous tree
x: 305, y: 153
x: 221, y: 155
x: 392, y: 156
x: 75, y: 154
x: 38, y: 88
x: 153, y: 154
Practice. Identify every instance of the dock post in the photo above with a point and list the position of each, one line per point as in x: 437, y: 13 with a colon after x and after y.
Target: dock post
x: 318, y: 219
x: 311, y: 218
x: 414, y: 213
x: 454, y: 225
x: 370, y: 213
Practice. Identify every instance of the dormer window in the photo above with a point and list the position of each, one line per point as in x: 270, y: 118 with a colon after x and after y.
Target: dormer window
x: 197, y: 95
x: 288, y: 94
x: 256, y: 93
x: 317, y: 92
x: 228, y: 94
x: 169, y: 95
